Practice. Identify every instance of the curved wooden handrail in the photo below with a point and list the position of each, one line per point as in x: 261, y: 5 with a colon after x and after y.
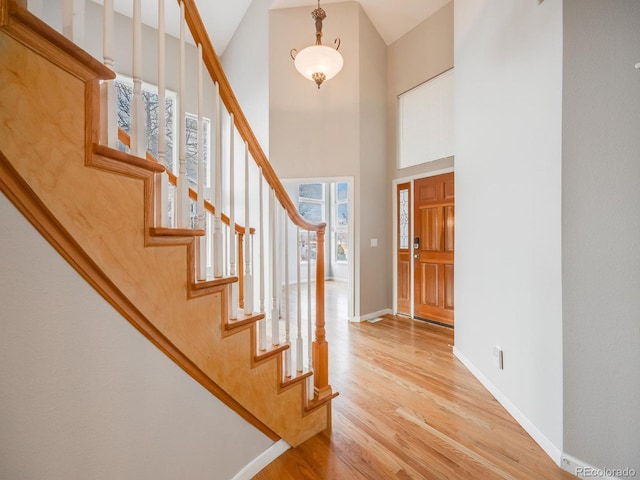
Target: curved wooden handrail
x: 199, y: 33
x: 210, y: 58
x: 125, y: 139
x: 214, y: 67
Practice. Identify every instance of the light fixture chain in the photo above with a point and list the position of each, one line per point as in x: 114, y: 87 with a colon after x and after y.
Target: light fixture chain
x: 319, y: 15
x: 314, y: 62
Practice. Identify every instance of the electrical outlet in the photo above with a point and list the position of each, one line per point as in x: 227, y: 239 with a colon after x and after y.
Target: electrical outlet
x: 498, y: 357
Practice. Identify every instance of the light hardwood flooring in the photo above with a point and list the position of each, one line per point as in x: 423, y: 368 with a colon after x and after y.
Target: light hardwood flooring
x: 408, y: 409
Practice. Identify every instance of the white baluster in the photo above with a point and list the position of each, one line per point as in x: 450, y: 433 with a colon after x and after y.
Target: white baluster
x: 109, y: 100
x: 299, y: 353
x: 232, y: 219
x: 263, y: 322
x: 183, y: 185
x: 162, y: 180
x: 310, y: 384
x: 202, y: 250
x: 225, y: 251
x: 162, y: 85
x: 287, y: 319
x: 275, y: 315
x: 218, y: 254
x: 248, y: 274
x: 138, y: 129
x: 252, y: 267
x: 73, y: 20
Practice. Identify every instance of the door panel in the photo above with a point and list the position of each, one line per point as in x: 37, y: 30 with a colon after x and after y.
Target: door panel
x: 428, y: 193
x: 448, y: 289
x: 428, y: 231
x: 434, y: 216
x: 449, y: 222
x: 404, y: 286
x: 403, y: 253
x: 448, y: 189
x: 428, y: 273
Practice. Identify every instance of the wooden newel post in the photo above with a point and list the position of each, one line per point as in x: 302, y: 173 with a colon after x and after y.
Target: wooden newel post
x: 320, y: 345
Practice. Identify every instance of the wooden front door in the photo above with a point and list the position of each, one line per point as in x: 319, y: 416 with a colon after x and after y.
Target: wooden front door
x: 403, y: 253
x: 434, y: 215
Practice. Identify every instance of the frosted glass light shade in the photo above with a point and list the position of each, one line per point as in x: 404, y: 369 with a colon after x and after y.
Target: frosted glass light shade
x: 319, y: 59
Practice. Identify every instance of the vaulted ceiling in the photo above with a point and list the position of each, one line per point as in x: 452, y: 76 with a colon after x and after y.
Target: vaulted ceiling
x: 392, y: 18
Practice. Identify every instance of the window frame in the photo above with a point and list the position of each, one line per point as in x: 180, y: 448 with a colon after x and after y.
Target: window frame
x: 313, y: 240
x: 337, y: 228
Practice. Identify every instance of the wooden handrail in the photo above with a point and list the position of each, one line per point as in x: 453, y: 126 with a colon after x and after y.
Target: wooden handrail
x: 142, y: 168
x: 125, y: 139
x: 216, y: 72
x: 200, y: 36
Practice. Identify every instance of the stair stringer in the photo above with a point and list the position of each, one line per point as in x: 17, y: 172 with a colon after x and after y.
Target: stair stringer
x: 47, y: 115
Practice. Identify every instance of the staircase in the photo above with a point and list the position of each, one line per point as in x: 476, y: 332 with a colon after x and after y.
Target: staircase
x: 96, y: 206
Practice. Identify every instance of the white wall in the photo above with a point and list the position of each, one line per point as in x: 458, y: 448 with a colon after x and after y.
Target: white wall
x: 601, y: 232
x: 508, y: 111
x: 246, y: 64
x: 373, y: 197
x: 84, y: 395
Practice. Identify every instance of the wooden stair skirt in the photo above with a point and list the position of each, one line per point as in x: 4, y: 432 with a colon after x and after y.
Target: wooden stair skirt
x: 99, y: 220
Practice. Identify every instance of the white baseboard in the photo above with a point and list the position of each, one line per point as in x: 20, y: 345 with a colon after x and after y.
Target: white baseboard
x: 582, y: 469
x: 371, y: 316
x: 262, y: 460
x: 550, y: 449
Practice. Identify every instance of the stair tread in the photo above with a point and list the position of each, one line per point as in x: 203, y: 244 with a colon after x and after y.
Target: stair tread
x: 315, y: 404
x: 294, y: 378
x: 243, y: 320
x: 216, y: 282
x: 270, y: 351
x: 127, y: 158
x: 176, y: 232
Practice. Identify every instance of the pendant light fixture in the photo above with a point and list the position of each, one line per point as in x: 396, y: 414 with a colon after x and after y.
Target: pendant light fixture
x: 318, y: 62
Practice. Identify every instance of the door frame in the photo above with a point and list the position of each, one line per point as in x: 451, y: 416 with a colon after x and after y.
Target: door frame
x: 409, y: 179
x: 353, y: 308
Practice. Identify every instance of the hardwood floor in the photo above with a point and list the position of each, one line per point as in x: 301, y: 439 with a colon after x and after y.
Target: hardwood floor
x: 408, y: 409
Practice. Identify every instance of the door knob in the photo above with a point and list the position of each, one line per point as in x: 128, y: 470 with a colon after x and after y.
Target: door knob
x: 416, y: 255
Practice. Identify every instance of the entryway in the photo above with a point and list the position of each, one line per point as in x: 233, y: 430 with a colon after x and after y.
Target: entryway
x: 328, y: 200
x: 425, y: 220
